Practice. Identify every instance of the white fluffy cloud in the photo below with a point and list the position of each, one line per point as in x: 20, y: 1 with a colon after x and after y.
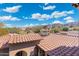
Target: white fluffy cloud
x: 58, y: 14
x: 44, y: 24
x: 70, y: 12
x: 30, y: 25
x: 69, y: 19
x: 40, y: 16
x: 49, y: 7
x: 13, y: 9
x: 57, y: 22
x: 55, y: 14
x: 5, y: 18
x: 36, y: 16
x: 46, y: 4
x: 25, y: 17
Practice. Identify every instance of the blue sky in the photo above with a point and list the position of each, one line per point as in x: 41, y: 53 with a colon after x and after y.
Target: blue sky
x: 33, y: 14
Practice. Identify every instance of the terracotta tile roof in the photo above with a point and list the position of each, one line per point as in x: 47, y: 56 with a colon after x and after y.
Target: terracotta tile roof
x: 48, y: 43
x: 53, y: 41
x: 24, y: 38
x: 11, y: 39
x: 4, y: 40
x: 64, y: 51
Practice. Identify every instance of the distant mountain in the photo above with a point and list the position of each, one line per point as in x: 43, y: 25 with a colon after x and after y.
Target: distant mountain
x: 72, y: 24
x: 57, y: 25
x: 52, y: 25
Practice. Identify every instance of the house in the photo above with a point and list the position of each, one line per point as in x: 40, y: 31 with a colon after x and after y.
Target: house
x: 18, y: 45
x: 52, y: 42
x: 33, y: 44
x: 45, y: 31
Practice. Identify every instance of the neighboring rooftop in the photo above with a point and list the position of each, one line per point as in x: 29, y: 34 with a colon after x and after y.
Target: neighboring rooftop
x: 64, y: 51
x: 54, y: 40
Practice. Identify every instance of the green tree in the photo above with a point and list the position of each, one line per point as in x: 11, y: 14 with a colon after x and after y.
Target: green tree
x: 65, y: 28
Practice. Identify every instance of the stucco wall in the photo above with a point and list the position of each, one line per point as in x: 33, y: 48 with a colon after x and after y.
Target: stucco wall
x: 27, y: 47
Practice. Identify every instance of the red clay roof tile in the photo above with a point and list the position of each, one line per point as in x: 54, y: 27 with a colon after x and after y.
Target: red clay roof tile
x: 49, y: 42
x: 52, y: 41
x: 11, y: 39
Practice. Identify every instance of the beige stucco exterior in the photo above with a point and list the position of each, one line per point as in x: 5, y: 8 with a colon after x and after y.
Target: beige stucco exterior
x: 27, y: 47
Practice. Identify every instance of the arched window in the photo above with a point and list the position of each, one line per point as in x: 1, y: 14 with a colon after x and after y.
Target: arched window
x: 21, y: 53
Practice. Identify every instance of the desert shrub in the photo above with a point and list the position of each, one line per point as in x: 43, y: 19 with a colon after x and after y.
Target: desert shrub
x: 65, y: 28
x: 54, y: 30
x: 22, y: 32
x: 14, y: 30
x: 76, y: 28
x: 37, y: 31
x: 3, y: 31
